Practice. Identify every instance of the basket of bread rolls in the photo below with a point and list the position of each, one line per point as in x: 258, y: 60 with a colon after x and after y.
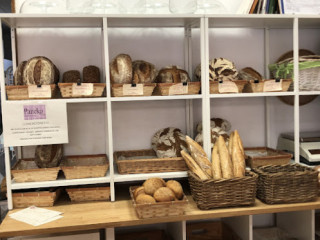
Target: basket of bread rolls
x: 157, y: 198
x: 173, y: 80
x: 223, y: 182
x: 131, y: 78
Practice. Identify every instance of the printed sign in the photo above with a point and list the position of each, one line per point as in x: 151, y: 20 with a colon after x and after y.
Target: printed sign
x: 32, y: 112
x: 228, y: 87
x: 178, y: 89
x: 272, y: 86
x: 84, y: 89
x: 44, y: 91
x: 129, y: 90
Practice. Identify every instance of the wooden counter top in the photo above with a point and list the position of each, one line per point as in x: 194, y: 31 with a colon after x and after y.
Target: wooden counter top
x: 98, y: 215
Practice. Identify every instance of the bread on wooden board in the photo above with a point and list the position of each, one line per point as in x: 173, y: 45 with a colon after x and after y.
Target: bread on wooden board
x: 226, y: 164
x: 194, y: 167
x: 216, y: 163
x: 238, y: 160
x: 199, y: 155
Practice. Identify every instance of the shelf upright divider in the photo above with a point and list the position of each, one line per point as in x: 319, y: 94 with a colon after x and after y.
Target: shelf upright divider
x: 267, y: 75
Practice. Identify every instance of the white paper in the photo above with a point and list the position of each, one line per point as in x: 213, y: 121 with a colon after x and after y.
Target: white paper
x: 44, y: 91
x: 36, y: 216
x: 301, y: 6
x: 35, y: 123
x: 84, y: 89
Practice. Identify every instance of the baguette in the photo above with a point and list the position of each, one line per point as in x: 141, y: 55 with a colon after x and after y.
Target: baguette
x: 238, y: 160
x: 238, y: 139
x: 199, y: 155
x: 216, y: 164
x: 193, y: 166
x: 230, y: 143
x: 226, y: 164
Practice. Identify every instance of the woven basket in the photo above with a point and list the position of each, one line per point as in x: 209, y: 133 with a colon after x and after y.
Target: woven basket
x: 117, y: 90
x: 214, y: 86
x: 20, y: 92
x: 66, y: 90
x: 211, y: 193
x: 253, y: 87
x: 39, y: 199
x: 85, y: 166
x: 158, y: 209
x: 163, y: 89
x: 290, y: 183
x: 86, y: 194
x: 146, y: 161
x: 26, y: 170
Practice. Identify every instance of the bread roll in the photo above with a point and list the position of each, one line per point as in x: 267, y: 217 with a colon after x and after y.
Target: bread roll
x: 164, y: 194
x: 143, y: 72
x: 216, y: 163
x: 152, y: 184
x: 145, y: 199
x: 138, y: 191
x: 176, y: 187
x: 226, y: 164
x: 199, y: 155
x: 121, y: 69
x: 238, y: 160
x: 194, y: 167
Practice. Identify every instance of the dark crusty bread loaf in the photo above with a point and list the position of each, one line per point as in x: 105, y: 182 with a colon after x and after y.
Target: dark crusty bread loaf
x: 121, y: 69
x: 143, y: 72
x: 18, y: 74
x: 47, y: 156
x: 71, y: 76
x: 172, y: 74
x: 249, y: 73
x: 91, y: 74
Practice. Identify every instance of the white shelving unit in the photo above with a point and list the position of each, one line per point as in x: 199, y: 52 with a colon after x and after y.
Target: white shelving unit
x: 187, y: 40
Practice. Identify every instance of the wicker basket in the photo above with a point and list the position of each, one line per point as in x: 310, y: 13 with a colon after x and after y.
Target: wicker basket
x: 66, y: 90
x: 158, y: 209
x: 214, y: 86
x: 26, y: 170
x: 257, y: 86
x: 85, y: 166
x: 146, y: 161
x: 39, y: 199
x: 261, y: 156
x: 85, y: 194
x: 118, y: 91
x: 165, y: 89
x: 289, y: 183
x: 211, y: 193
x: 21, y: 92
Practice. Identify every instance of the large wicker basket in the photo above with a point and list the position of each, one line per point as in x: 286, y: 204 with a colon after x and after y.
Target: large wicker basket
x: 258, y: 86
x: 26, y: 170
x: 117, y: 90
x: 211, y: 193
x: 146, y: 161
x: 85, y: 166
x: 66, y: 90
x: 20, y: 92
x: 158, y: 209
x: 289, y: 183
x: 85, y: 194
x: 214, y: 86
x: 165, y: 89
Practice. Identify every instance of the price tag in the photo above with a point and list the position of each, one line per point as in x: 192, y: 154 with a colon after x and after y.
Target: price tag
x: 272, y: 86
x: 228, y: 87
x: 129, y: 90
x: 84, y: 89
x: 44, y: 91
x: 178, y: 89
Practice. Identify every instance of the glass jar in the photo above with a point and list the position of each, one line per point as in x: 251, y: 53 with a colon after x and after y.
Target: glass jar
x: 183, y: 6
x: 132, y: 6
x: 43, y: 6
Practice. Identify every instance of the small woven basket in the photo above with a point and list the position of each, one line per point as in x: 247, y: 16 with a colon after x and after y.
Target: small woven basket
x: 158, y: 209
x: 66, y: 90
x: 214, y: 86
x: 86, y: 194
x: 117, y: 90
x: 253, y: 87
x: 20, y: 92
x: 163, y: 89
x: 85, y: 166
x: 211, y: 193
x: 26, y: 170
x: 146, y: 161
x: 289, y: 183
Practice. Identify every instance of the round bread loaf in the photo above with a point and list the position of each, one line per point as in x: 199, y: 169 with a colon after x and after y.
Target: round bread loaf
x: 40, y: 71
x: 145, y: 199
x: 224, y: 124
x: 164, y: 194
x: 215, y: 133
x: 143, y: 72
x: 152, y: 184
x: 18, y: 74
x: 47, y: 156
x: 172, y: 74
x: 121, y: 69
x: 138, y: 191
x: 169, y: 142
x: 72, y: 76
x: 249, y: 73
x: 176, y: 187
x: 91, y: 74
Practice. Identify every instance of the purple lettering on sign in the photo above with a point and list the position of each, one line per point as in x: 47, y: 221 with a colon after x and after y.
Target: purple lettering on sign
x: 32, y: 112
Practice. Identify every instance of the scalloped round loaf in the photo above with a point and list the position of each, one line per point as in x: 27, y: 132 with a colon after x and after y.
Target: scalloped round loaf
x: 172, y: 74
x: 143, y: 72
x: 176, y: 187
x: 168, y: 142
x: 47, y: 156
x: 145, y: 199
x: 224, y: 124
x: 121, y: 69
x: 215, y: 133
x: 152, y: 184
x: 164, y: 194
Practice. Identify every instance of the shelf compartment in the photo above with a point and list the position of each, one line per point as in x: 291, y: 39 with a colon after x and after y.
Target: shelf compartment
x: 21, y: 92
x: 87, y: 193
x: 67, y: 90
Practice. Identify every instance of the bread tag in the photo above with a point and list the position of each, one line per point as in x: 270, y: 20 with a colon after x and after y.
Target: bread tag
x: 84, y: 89
x: 272, y: 86
x: 178, y: 89
x: 228, y: 87
x: 43, y: 91
x: 129, y: 90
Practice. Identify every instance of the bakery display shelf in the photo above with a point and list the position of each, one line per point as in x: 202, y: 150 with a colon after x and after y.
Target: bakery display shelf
x: 302, y: 93
x: 263, y: 94
x: 66, y: 100
x: 153, y: 98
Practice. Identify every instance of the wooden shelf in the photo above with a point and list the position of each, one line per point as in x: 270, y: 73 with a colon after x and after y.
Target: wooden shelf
x: 98, y: 215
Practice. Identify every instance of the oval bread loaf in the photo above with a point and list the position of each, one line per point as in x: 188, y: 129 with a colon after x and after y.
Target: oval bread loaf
x: 121, y: 69
x: 176, y: 187
x: 164, y: 194
x: 138, y: 191
x: 152, y: 184
x: 144, y: 199
x: 47, y: 156
x: 143, y: 72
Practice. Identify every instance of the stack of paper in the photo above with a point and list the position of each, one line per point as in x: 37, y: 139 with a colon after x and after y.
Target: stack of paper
x: 36, y: 216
